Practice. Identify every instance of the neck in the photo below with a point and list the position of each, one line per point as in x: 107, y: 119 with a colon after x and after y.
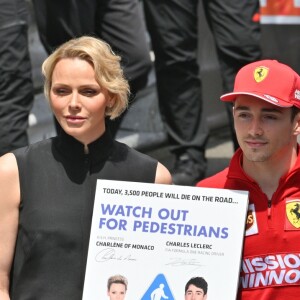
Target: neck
x: 86, y: 140
x: 267, y: 174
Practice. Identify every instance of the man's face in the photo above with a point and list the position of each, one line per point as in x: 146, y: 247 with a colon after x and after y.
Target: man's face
x: 264, y: 131
x: 194, y: 293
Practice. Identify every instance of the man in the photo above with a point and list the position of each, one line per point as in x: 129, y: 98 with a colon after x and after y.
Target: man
x: 266, y: 102
x: 173, y: 28
x: 196, y: 289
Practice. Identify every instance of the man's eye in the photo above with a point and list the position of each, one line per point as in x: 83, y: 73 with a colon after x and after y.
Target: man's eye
x: 243, y: 115
x: 270, y: 117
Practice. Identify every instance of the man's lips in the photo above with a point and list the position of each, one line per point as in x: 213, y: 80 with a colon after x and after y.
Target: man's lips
x: 255, y: 143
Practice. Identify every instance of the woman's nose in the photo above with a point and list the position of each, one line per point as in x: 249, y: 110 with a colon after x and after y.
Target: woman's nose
x: 74, y: 101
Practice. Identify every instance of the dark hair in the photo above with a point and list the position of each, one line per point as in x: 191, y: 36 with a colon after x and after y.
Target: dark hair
x: 295, y: 111
x: 199, y: 282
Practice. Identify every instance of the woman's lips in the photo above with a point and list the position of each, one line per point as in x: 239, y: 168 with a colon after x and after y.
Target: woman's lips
x: 75, y: 119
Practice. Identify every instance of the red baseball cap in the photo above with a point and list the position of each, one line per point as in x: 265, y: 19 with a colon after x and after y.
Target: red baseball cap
x: 268, y: 80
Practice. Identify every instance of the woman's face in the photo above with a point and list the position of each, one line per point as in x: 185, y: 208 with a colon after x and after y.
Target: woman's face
x: 77, y: 100
x: 116, y: 291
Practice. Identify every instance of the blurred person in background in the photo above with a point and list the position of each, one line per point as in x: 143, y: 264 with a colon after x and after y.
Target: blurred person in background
x: 16, y: 86
x: 173, y: 27
x: 118, y: 22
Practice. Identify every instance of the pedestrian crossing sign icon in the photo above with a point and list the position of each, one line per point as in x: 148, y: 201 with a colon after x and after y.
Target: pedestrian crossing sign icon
x: 158, y: 290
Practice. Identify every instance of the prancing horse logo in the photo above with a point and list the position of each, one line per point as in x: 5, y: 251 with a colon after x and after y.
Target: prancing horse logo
x: 293, y: 213
x: 260, y: 73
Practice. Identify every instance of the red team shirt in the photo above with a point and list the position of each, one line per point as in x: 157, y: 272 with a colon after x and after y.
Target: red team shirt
x: 270, y: 267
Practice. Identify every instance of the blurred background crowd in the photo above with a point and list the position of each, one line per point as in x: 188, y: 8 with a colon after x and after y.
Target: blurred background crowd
x: 178, y: 56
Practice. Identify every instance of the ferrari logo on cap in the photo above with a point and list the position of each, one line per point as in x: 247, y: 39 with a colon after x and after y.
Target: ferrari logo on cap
x: 260, y: 73
x: 292, y: 209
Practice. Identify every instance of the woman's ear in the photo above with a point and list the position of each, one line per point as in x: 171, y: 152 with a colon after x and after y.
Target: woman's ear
x: 111, y: 101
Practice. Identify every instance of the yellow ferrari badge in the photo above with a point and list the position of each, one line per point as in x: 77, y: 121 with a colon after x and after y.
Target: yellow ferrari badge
x: 260, y: 73
x: 293, y: 213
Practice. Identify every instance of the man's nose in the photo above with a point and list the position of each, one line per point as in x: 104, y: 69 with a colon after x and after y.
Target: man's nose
x: 256, y: 127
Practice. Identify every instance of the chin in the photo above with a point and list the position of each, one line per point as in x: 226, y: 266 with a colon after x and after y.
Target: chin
x: 73, y: 131
x: 257, y: 158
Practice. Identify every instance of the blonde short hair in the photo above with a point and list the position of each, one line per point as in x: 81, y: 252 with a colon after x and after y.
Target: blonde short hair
x: 117, y: 279
x: 106, y: 64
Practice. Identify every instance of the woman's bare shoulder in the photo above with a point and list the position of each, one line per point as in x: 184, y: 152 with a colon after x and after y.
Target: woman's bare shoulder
x: 162, y: 175
x: 9, y: 215
x: 9, y: 179
x: 8, y: 165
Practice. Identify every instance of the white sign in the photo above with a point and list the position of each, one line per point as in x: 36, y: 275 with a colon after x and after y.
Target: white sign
x: 159, y: 236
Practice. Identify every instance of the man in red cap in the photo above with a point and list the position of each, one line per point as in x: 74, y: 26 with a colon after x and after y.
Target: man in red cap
x: 266, y: 112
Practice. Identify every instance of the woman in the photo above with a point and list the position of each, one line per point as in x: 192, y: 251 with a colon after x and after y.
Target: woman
x: 47, y: 189
x: 117, y: 287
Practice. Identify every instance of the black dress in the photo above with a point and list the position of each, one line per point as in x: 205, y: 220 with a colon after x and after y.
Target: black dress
x: 58, y: 183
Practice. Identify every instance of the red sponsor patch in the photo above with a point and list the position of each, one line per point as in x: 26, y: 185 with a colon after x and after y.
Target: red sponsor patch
x: 270, y: 270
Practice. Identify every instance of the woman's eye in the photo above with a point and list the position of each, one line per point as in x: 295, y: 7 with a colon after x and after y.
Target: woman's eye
x: 89, y: 92
x: 60, y: 91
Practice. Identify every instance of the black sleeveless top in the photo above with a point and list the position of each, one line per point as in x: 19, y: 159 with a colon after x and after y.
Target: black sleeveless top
x: 58, y: 183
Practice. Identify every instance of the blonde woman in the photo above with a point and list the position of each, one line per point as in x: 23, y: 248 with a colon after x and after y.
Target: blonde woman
x: 47, y: 189
x: 117, y: 287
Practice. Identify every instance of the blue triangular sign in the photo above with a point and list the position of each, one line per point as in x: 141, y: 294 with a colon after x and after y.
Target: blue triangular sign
x: 158, y: 290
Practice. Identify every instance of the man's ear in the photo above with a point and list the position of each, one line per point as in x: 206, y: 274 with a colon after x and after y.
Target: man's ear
x: 297, y: 124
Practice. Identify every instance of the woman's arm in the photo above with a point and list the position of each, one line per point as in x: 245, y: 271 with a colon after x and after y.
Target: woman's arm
x: 162, y: 175
x: 9, y: 215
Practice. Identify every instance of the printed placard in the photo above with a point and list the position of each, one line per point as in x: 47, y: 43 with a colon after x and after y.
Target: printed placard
x: 159, y: 236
